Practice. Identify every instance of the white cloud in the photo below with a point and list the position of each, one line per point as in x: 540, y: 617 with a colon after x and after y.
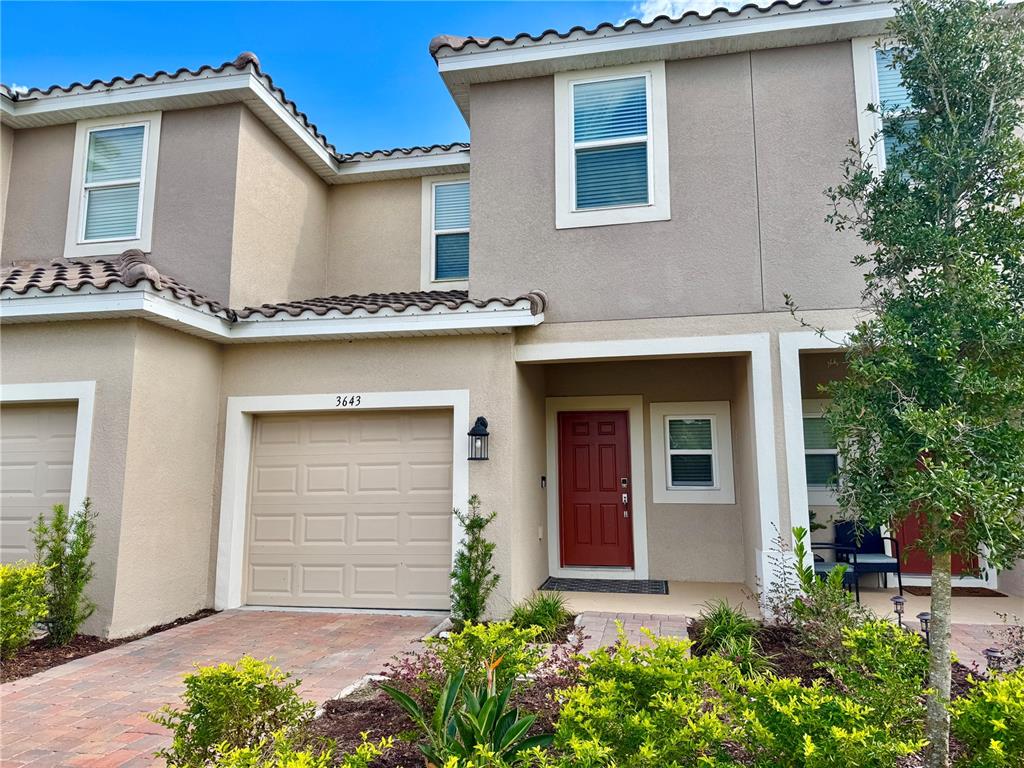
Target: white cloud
x: 650, y: 9
x: 15, y: 88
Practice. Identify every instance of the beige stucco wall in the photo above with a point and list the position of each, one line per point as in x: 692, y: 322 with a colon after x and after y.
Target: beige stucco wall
x: 37, y: 199
x: 374, y: 243
x: 747, y: 217
x: 279, y: 242
x: 193, y: 211
x: 530, y: 535
x: 686, y: 542
x: 6, y: 155
x: 481, y: 364
x: 88, y: 351
x: 167, y: 520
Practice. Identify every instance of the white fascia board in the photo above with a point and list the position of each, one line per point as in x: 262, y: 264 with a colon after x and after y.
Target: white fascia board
x: 636, y: 348
x: 151, y: 305
x: 366, y: 170
x: 783, y: 22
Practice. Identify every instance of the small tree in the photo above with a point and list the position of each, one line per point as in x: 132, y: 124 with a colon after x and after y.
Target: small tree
x: 929, y: 417
x: 473, y: 577
x: 62, y: 547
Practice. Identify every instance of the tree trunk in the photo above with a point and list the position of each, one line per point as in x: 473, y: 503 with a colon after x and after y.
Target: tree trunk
x: 937, y: 723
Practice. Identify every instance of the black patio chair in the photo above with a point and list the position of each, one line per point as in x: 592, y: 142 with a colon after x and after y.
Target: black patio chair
x: 870, y: 548
x: 844, y: 556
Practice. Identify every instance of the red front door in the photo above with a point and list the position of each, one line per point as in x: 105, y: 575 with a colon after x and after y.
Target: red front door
x: 594, y: 488
x: 916, y: 561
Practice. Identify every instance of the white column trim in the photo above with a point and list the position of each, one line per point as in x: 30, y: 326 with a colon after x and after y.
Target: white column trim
x: 84, y: 394
x: 634, y: 405
x: 238, y: 450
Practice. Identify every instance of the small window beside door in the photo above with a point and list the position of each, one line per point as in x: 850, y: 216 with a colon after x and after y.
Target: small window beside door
x: 445, y: 258
x: 694, y: 441
x: 821, y: 456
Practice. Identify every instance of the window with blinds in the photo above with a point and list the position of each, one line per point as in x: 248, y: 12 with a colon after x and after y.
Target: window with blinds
x: 820, y: 454
x: 691, y: 457
x: 450, y: 234
x: 112, y: 183
x: 610, y: 142
x: 891, y: 95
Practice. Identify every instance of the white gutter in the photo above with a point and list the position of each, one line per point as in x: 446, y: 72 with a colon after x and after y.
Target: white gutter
x: 152, y: 306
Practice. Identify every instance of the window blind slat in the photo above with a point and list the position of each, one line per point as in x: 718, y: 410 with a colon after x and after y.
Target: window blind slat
x: 891, y: 92
x: 451, y: 206
x: 611, y: 176
x: 692, y: 470
x: 691, y: 434
x: 610, y: 109
x: 111, y: 212
x: 115, y: 154
x: 817, y: 434
x: 451, y: 256
x: 821, y: 468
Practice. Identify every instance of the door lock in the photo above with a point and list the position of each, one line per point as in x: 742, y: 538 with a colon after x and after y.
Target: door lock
x: 625, y: 505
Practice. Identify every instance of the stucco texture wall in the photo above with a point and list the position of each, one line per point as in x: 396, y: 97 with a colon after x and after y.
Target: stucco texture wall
x: 481, y: 364
x: 750, y: 150
x: 374, y: 243
x: 6, y: 156
x: 103, y: 352
x: 168, y: 513
x: 686, y: 542
x: 279, y: 241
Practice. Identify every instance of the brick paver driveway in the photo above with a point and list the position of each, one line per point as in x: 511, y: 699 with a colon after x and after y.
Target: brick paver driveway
x: 92, y: 712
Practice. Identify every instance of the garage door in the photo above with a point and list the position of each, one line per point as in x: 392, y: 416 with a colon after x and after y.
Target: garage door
x: 351, y: 510
x: 37, y: 445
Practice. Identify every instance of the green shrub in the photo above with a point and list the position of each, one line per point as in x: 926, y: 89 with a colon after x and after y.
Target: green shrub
x: 654, y: 705
x: 62, y: 547
x: 22, y: 604
x: 718, y: 621
x: 232, y: 706
x: 990, y: 722
x: 477, y: 645
x: 281, y: 752
x: 787, y: 725
x: 473, y: 576
x: 745, y: 652
x: 884, y: 668
x: 546, y: 610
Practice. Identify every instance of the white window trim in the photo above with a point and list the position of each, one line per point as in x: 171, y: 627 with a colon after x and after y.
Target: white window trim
x: 819, y: 495
x: 865, y: 83
x: 75, y: 244
x: 427, y: 232
x: 724, y: 490
x: 658, y: 207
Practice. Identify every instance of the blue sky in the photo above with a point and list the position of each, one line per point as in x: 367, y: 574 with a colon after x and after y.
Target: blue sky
x: 361, y: 71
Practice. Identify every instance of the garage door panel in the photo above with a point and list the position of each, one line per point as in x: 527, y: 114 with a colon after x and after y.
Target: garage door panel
x: 351, y: 509
x: 37, y: 446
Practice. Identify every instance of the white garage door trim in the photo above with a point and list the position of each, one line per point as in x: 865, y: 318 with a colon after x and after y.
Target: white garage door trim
x: 238, y: 448
x: 84, y: 394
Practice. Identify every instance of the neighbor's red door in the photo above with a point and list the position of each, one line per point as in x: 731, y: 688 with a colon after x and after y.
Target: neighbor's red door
x: 594, y: 488
x: 916, y: 561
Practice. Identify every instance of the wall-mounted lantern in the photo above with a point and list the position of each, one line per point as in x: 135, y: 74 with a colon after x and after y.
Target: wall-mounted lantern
x: 478, y: 440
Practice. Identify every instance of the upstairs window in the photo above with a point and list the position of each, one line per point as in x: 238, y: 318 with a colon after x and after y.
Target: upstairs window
x: 892, y: 96
x: 111, y: 206
x: 446, y: 232
x: 611, y: 149
x: 821, y: 457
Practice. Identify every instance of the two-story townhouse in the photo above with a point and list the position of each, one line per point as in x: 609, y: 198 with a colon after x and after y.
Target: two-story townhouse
x: 603, y: 283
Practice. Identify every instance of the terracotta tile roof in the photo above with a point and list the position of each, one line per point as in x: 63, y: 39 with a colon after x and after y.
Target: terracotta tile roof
x: 127, y: 270
x: 373, y: 303
x: 456, y: 43
x: 133, y: 267
x: 433, y: 149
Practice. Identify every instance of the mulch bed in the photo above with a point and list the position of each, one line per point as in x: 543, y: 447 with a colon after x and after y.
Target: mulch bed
x: 39, y: 656
x: 956, y: 591
x: 374, y: 713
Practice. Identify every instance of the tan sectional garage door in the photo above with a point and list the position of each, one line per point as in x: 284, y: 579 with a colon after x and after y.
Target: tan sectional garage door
x: 351, y: 510
x: 37, y: 446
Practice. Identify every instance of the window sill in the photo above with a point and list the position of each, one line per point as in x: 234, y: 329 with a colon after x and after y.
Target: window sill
x: 634, y: 214
x: 106, y: 248
x: 694, y: 496
x: 446, y: 285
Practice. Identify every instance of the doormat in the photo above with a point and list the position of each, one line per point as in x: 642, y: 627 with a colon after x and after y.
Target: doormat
x: 641, y: 587
x: 957, y: 592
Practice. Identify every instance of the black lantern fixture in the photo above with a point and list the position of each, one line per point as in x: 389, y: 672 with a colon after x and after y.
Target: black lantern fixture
x: 994, y: 657
x: 478, y: 440
x: 926, y: 619
x: 898, y: 606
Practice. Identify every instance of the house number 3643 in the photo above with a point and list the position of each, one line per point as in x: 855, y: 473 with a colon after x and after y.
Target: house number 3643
x: 348, y: 401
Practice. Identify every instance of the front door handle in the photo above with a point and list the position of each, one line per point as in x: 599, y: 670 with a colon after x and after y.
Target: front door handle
x: 625, y: 505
